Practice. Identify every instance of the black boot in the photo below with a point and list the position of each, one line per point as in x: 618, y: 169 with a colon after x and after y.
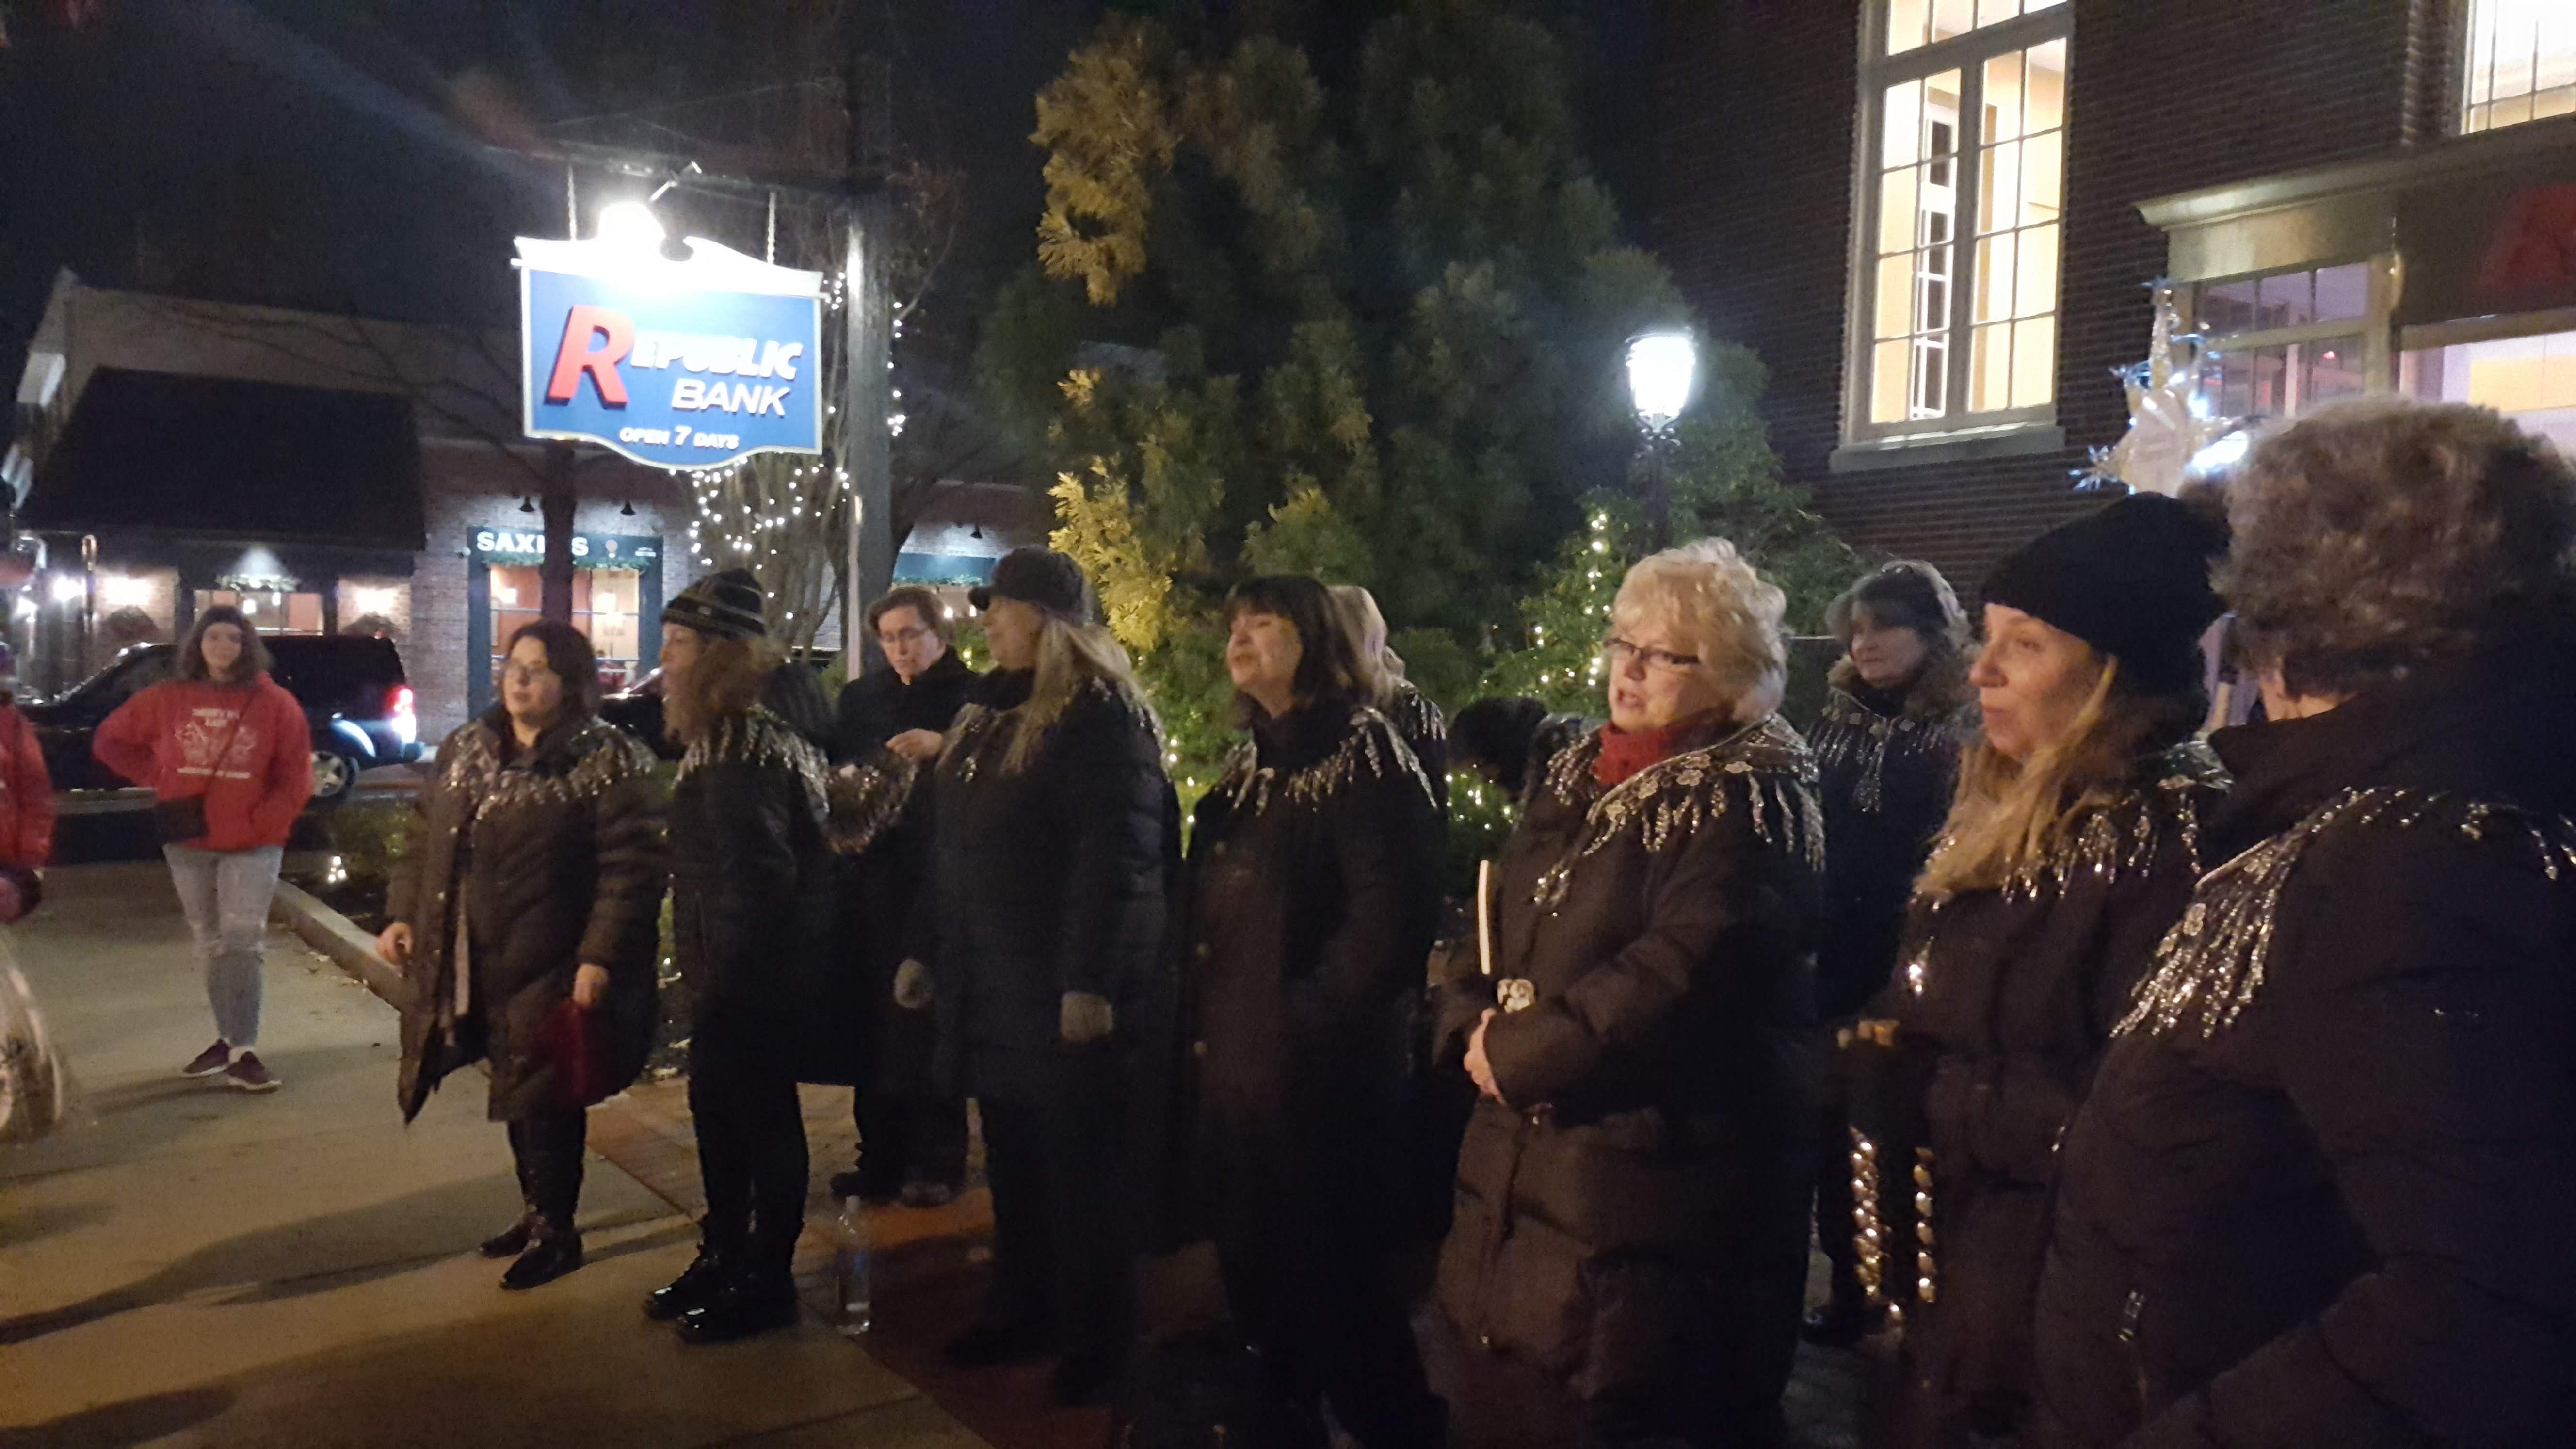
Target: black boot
x: 754, y: 1301
x: 1839, y: 1324
x: 550, y: 1256
x: 511, y: 1241
x: 696, y: 1284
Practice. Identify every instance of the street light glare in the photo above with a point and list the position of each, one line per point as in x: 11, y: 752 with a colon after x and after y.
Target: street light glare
x: 630, y: 224
x: 1661, y: 369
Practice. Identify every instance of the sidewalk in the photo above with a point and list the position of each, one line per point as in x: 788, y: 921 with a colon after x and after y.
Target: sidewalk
x: 202, y: 1267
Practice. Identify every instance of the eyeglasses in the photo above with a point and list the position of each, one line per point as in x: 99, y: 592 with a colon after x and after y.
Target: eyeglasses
x: 902, y: 638
x: 527, y: 673
x: 1616, y: 652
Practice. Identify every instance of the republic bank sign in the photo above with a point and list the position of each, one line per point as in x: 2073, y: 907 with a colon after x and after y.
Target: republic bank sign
x: 679, y: 364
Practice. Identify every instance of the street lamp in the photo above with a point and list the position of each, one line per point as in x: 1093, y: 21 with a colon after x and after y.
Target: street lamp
x: 632, y: 225
x: 1662, y: 368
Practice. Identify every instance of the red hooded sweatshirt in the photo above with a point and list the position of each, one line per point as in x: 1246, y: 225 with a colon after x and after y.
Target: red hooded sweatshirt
x: 167, y: 737
x: 26, y: 794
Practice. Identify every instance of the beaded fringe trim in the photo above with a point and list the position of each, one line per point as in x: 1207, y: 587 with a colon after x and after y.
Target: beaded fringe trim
x: 607, y: 755
x: 1373, y: 745
x: 2211, y: 965
x: 865, y: 801
x: 2120, y: 839
x: 1414, y: 716
x: 760, y: 738
x: 1847, y: 732
x: 1668, y: 802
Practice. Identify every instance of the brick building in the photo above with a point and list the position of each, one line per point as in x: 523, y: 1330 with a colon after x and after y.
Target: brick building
x: 1936, y: 221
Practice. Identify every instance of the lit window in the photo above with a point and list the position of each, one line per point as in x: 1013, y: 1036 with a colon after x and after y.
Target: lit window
x: 2519, y: 62
x: 2283, y: 343
x: 1959, y: 238
x: 2531, y: 380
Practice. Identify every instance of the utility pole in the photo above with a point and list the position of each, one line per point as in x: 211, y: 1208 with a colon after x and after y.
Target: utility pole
x: 866, y: 446
x: 555, y: 505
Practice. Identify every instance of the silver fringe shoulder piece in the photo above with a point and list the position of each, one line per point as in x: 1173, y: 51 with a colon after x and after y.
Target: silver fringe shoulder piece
x: 1414, y: 715
x: 759, y: 738
x: 605, y: 755
x: 865, y: 801
x: 2211, y: 965
x: 1764, y: 769
x: 1848, y: 734
x: 1373, y: 748
x: 2118, y: 838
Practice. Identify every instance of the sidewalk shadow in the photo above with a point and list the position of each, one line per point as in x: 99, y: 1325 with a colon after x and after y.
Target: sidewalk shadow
x: 33, y: 1225
x: 135, y: 1421
x: 258, y: 1265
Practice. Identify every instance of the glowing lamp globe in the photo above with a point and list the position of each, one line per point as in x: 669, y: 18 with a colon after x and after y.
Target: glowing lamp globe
x: 630, y: 224
x: 1661, y: 368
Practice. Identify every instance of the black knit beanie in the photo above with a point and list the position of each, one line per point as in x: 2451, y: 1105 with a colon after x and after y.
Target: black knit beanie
x: 2132, y: 580
x: 721, y: 606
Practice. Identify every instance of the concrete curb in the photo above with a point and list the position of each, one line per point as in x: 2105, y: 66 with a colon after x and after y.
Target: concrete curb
x: 332, y: 934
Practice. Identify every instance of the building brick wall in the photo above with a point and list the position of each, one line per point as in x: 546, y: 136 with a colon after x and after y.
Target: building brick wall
x: 1758, y: 102
x: 463, y: 489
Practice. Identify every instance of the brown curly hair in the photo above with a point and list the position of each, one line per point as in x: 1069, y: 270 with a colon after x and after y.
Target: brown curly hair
x: 2382, y: 534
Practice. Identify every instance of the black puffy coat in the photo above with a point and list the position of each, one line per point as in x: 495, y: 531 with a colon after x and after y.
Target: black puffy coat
x: 555, y: 855
x: 2323, y: 1191
x: 2003, y: 1005
x: 877, y: 706
x: 753, y: 899
x: 1047, y: 879
x: 1312, y: 895
x: 884, y: 883
x: 1631, y: 1219
x: 1886, y: 764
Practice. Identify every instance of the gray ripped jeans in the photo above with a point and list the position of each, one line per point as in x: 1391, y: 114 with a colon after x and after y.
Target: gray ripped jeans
x: 225, y: 894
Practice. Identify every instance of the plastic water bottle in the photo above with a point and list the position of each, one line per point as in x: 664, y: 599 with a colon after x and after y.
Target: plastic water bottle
x: 852, y: 1279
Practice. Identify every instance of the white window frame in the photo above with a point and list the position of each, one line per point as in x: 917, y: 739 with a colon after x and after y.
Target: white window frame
x: 2465, y: 46
x: 1878, y: 71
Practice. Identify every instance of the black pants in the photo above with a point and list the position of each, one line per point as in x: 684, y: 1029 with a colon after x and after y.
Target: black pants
x: 547, y: 1149
x: 751, y: 1149
x: 1313, y: 1286
x: 908, y: 1137
x: 1062, y: 1253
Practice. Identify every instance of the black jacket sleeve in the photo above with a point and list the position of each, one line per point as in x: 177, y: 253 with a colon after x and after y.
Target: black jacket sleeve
x: 1114, y: 797
x: 634, y: 869
x: 745, y: 906
x: 1385, y: 852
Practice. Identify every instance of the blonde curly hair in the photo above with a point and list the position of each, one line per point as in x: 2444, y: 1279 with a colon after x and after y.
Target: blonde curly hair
x: 1705, y: 592
x: 2381, y: 534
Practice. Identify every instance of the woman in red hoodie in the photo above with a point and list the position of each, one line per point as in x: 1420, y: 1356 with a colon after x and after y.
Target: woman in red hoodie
x: 225, y: 732
x: 26, y: 808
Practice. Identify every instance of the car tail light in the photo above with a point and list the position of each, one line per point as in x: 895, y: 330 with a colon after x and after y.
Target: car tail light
x: 398, y: 708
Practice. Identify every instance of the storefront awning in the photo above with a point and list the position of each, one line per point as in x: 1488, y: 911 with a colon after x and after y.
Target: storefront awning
x: 220, y: 458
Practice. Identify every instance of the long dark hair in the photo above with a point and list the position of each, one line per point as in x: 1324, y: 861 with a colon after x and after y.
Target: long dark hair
x: 192, y: 650
x: 569, y: 655
x: 1328, y: 668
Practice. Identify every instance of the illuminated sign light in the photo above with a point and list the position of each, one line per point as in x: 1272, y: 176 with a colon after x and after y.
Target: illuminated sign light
x: 679, y: 364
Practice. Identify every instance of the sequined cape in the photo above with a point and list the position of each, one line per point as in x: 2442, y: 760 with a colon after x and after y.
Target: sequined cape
x: 2212, y: 965
x: 1764, y: 769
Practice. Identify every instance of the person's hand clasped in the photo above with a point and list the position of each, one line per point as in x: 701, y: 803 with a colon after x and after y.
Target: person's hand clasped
x: 918, y: 746
x: 913, y: 987
x: 1479, y: 1069
x: 1086, y: 1017
x: 394, y: 944
x: 589, y: 985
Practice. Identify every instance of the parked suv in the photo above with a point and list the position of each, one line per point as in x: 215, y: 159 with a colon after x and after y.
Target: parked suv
x: 355, y: 697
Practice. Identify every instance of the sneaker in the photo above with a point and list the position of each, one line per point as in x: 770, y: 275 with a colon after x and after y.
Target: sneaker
x: 210, y: 1061
x: 247, y: 1075
x: 511, y: 1241
x: 694, y: 1286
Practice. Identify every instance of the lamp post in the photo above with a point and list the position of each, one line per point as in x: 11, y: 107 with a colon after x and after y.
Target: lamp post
x: 1662, y: 369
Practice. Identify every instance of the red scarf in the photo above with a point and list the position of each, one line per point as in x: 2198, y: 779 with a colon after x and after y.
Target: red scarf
x: 1624, y: 753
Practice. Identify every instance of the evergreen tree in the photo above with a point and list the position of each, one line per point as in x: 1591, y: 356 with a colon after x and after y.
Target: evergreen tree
x: 1359, y: 317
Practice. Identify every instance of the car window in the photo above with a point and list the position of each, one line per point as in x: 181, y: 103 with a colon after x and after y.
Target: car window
x: 127, y: 678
